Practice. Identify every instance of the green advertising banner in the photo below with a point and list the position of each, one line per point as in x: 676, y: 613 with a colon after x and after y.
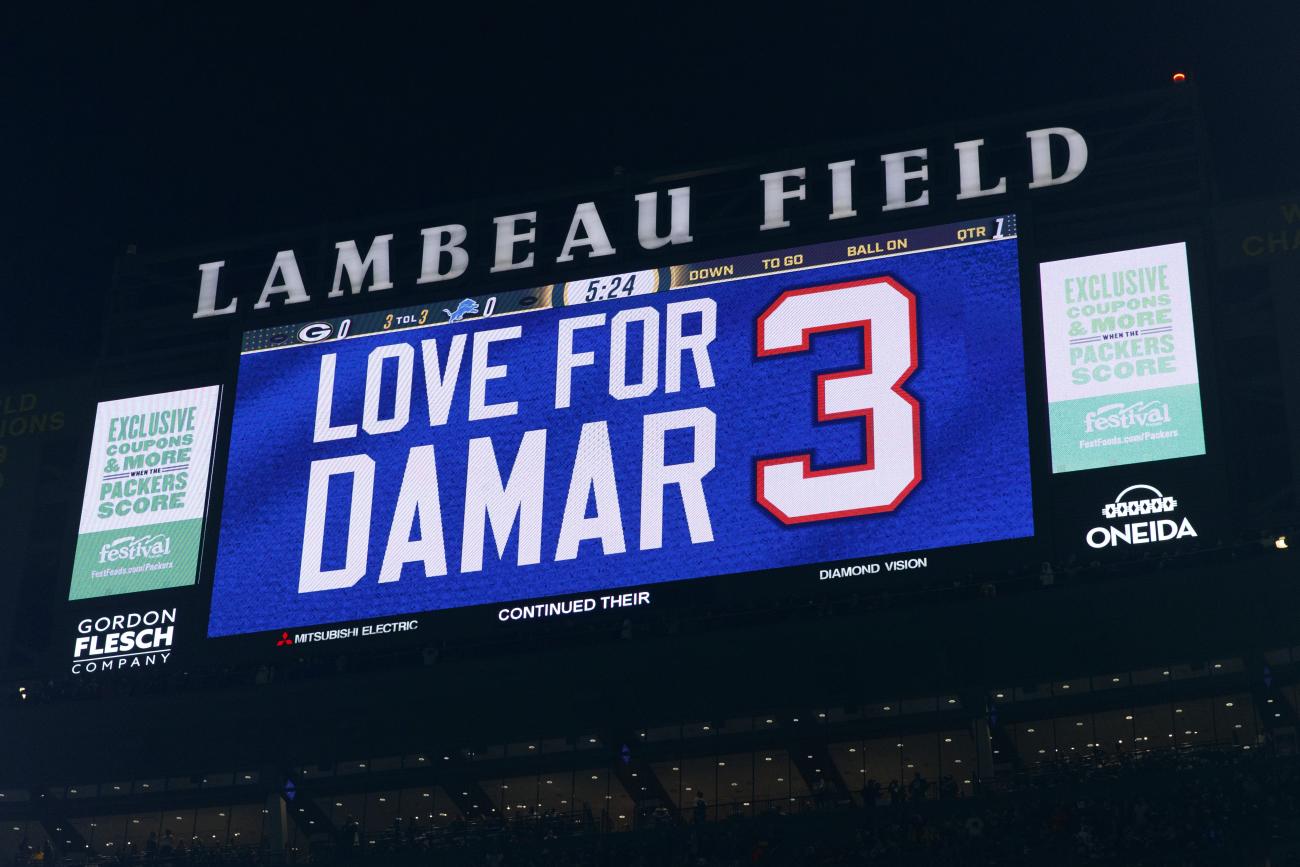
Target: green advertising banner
x: 146, y: 493
x: 1122, y: 383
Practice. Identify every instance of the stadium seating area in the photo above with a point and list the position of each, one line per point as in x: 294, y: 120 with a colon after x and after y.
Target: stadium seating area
x: 1171, y: 807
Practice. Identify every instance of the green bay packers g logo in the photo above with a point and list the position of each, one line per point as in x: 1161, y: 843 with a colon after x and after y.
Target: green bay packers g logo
x: 315, y: 332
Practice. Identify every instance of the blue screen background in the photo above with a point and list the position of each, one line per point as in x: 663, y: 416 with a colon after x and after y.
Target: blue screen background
x: 975, y: 483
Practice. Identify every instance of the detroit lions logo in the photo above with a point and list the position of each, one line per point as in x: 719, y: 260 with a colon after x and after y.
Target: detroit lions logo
x: 463, y: 309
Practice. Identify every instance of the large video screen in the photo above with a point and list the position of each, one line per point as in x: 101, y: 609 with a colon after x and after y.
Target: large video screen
x: 806, y: 407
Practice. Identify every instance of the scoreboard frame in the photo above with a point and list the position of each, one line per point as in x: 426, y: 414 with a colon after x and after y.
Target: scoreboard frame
x: 1053, y: 224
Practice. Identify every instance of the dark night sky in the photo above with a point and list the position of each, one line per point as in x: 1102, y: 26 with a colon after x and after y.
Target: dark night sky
x: 166, y: 126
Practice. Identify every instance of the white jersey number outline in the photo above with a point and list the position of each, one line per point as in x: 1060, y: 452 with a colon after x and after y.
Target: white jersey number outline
x: 885, y: 311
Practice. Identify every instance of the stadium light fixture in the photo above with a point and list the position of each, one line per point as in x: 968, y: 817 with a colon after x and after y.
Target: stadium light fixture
x: 1280, y: 543
x: 1179, y: 76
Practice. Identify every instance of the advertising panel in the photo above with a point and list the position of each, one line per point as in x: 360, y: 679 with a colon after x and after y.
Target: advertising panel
x: 814, y: 406
x: 146, y: 493
x: 123, y: 641
x: 1122, y: 382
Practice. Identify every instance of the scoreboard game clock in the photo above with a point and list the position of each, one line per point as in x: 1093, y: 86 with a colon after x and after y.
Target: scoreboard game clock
x: 615, y: 286
x: 758, y: 417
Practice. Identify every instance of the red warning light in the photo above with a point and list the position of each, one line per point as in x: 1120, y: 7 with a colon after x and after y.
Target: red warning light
x: 1180, y: 76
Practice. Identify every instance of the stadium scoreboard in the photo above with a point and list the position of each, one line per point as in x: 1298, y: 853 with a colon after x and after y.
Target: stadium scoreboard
x: 855, y: 411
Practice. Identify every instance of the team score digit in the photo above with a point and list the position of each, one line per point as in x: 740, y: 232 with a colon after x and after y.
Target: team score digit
x: 885, y: 312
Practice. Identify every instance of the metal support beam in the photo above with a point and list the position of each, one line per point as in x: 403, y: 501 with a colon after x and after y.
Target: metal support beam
x: 640, y: 781
x: 470, y: 799
x: 818, y: 770
x: 65, y: 838
x: 302, y: 809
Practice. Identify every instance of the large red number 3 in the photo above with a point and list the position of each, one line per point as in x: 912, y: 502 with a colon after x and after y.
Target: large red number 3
x: 789, y: 487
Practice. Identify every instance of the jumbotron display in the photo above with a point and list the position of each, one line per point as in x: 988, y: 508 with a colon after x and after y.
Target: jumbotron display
x: 810, y: 406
